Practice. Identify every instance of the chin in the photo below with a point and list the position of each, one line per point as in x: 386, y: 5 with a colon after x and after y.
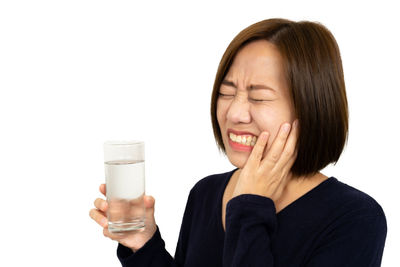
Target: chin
x: 239, y: 159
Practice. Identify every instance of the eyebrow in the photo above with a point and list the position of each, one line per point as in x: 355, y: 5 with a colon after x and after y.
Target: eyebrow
x: 251, y: 87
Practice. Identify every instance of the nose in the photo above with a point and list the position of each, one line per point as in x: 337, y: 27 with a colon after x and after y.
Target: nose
x: 239, y: 111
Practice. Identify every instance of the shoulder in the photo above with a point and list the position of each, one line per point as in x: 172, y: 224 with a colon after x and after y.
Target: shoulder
x: 211, y: 183
x: 350, y: 221
x: 347, y: 198
x: 342, y: 208
x: 334, y: 206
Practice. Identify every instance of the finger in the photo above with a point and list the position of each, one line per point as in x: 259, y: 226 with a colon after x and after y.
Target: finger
x: 98, y: 217
x: 101, y: 204
x: 108, y: 234
x: 258, y: 150
x: 278, y: 144
x: 282, y: 183
x: 289, y: 164
x: 149, y: 202
x: 285, y: 175
x: 290, y: 147
x: 120, y: 236
x: 286, y: 162
x: 103, y: 189
x: 115, y: 237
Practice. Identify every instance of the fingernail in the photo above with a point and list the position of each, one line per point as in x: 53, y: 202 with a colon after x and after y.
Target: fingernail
x: 286, y: 127
x: 103, y: 222
x: 265, y: 136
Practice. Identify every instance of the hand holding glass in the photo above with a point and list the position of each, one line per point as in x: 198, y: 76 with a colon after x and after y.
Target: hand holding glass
x: 125, y: 185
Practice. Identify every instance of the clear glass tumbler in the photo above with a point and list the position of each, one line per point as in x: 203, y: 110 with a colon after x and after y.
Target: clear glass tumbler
x: 125, y: 185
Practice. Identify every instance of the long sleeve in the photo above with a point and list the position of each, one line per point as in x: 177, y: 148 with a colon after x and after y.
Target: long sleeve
x: 153, y: 253
x: 332, y: 225
x: 355, y: 238
x: 250, y: 225
x: 358, y: 239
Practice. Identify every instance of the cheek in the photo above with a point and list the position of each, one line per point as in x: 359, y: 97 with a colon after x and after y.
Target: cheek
x: 221, y: 113
x: 270, y: 120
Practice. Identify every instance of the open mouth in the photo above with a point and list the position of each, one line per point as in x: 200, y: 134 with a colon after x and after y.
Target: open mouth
x: 245, y: 140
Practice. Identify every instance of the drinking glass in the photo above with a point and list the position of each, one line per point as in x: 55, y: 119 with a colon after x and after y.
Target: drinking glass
x: 125, y: 185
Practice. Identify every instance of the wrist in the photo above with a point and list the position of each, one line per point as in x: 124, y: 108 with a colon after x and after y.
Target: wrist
x: 144, y: 237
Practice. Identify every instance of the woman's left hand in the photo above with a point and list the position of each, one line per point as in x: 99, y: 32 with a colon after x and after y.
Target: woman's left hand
x: 268, y: 176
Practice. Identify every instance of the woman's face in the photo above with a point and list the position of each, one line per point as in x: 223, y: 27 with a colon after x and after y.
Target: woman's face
x: 254, y: 97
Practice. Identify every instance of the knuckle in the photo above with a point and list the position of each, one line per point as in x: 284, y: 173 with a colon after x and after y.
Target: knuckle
x: 273, y: 182
x: 274, y: 157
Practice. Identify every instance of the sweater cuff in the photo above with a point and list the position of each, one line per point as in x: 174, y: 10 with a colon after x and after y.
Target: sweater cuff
x: 251, y: 209
x: 127, y: 257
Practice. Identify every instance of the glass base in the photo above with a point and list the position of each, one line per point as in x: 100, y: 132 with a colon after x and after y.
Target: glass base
x: 125, y: 227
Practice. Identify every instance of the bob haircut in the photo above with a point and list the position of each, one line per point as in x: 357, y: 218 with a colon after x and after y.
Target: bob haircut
x: 314, y: 73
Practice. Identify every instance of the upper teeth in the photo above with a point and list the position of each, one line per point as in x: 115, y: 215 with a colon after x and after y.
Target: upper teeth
x: 243, y: 139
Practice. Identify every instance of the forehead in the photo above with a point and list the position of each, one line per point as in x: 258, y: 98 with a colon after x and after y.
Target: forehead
x: 257, y: 60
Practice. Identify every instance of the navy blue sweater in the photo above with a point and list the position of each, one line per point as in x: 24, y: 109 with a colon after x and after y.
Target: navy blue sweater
x: 334, y: 224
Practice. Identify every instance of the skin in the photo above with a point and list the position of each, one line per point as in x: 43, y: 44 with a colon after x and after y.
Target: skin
x: 257, y: 110
x: 133, y: 240
x: 267, y: 113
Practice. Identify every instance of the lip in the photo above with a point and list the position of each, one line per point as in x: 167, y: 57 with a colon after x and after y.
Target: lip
x: 240, y: 132
x: 239, y: 147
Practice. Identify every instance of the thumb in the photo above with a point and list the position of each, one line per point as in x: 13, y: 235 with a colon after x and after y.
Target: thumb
x: 149, y: 202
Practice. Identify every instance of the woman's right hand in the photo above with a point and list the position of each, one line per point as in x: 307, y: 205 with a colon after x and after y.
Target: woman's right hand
x: 134, y: 239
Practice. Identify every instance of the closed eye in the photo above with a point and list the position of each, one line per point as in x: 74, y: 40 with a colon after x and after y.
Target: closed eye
x: 227, y: 95
x: 259, y: 100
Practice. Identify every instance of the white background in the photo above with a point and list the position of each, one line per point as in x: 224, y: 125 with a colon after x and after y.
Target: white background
x: 76, y: 73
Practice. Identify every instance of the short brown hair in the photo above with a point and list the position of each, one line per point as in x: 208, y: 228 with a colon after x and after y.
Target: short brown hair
x: 314, y: 73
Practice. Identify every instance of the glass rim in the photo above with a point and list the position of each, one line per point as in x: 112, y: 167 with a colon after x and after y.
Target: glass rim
x: 123, y: 142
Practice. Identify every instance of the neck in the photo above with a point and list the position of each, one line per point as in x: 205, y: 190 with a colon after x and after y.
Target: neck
x: 298, y: 186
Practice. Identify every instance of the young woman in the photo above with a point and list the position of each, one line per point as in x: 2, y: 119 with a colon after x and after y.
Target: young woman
x: 279, y: 112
